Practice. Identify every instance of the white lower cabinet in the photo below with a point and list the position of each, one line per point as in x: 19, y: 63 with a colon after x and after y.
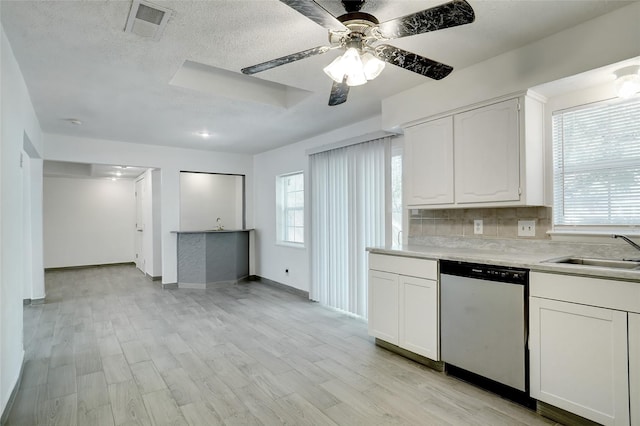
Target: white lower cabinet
x: 579, y: 359
x: 403, y: 303
x: 585, y: 359
x: 634, y: 367
x: 419, y: 316
x: 383, y: 306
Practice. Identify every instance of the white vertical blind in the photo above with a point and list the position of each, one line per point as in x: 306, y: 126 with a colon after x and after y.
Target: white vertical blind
x: 348, y: 188
x: 596, y: 164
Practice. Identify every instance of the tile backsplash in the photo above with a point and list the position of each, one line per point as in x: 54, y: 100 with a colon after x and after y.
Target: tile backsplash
x: 497, y: 222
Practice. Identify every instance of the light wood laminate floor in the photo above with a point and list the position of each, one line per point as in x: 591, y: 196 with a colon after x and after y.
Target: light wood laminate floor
x: 110, y: 347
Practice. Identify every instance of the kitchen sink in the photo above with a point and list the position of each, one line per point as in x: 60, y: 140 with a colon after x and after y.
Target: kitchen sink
x: 599, y: 263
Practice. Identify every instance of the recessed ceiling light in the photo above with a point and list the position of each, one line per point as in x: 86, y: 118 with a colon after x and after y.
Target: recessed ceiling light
x: 204, y: 134
x: 118, y: 173
x: 113, y: 178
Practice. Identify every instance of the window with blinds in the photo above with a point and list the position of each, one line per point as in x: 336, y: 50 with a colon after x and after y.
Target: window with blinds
x: 290, y: 204
x: 596, y: 164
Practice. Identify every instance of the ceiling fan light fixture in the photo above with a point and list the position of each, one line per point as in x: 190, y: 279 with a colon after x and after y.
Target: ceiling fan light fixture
x: 335, y: 70
x: 348, y: 65
x: 372, y: 66
x: 627, y: 81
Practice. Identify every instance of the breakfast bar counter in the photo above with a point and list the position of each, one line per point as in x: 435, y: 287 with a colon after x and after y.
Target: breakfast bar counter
x: 211, y: 257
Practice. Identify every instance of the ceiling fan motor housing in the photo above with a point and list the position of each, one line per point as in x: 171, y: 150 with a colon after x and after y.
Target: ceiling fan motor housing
x: 359, y: 29
x: 352, y: 5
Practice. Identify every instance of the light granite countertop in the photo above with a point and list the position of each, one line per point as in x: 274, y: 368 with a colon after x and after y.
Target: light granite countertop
x: 522, y: 256
x: 212, y: 231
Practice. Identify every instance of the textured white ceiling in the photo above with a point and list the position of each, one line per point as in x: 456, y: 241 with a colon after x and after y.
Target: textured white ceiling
x: 79, y: 63
x: 90, y: 171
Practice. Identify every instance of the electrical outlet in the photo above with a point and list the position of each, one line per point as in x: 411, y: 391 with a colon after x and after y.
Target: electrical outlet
x: 477, y: 226
x: 526, y: 228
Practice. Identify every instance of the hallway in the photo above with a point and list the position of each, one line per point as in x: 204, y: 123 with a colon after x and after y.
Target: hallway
x: 110, y: 347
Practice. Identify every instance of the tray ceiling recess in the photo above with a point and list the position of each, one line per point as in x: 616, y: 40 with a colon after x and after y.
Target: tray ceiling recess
x: 204, y: 78
x: 147, y: 20
x: 90, y: 171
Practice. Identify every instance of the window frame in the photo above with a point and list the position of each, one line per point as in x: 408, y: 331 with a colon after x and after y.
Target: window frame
x: 562, y: 227
x: 283, y: 210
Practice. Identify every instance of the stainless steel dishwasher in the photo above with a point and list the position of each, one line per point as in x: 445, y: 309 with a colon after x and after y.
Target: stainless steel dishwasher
x: 483, y: 320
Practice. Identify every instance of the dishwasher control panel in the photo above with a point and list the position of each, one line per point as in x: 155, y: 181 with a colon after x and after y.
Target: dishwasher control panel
x: 506, y: 274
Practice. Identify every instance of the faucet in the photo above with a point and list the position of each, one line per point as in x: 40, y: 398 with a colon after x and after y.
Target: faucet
x: 634, y: 245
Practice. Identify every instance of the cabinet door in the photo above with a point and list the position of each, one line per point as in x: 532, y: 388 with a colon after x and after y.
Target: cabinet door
x: 428, y: 163
x: 487, y: 154
x: 634, y: 367
x: 383, y: 306
x: 419, y: 328
x: 578, y: 359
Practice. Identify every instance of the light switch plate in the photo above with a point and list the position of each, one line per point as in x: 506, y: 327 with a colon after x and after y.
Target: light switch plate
x: 526, y: 228
x: 477, y: 226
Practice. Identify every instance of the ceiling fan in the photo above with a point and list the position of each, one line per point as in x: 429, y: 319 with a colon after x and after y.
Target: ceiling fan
x: 359, y: 34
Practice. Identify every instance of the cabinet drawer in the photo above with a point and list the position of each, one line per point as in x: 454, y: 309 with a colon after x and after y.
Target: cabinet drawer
x: 612, y: 294
x: 410, y: 266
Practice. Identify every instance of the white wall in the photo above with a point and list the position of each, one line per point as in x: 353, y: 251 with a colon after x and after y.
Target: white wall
x: 88, y: 221
x: 205, y: 197
x: 33, y: 280
x: 170, y: 161
x: 151, y: 239
x: 272, y: 259
x: 155, y: 268
x: 602, y: 41
x: 17, y: 118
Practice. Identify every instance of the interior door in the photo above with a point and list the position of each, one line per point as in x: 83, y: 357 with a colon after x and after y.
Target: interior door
x: 139, y: 224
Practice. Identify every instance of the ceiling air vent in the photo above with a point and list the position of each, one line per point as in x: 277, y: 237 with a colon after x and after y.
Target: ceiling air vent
x: 147, y: 20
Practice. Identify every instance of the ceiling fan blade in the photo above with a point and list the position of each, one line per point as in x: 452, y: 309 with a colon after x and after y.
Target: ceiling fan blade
x: 339, y: 92
x: 452, y: 14
x: 285, y: 60
x: 316, y: 13
x: 412, y: 62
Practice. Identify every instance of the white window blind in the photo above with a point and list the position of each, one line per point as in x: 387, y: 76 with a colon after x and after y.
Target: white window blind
x: 290, y: 201
x: 348, y: 187
x: 596, y: 165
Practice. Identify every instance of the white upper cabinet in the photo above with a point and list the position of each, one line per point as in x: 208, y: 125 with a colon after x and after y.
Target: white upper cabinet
x: 488, y: 156
x: 428, y: 171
